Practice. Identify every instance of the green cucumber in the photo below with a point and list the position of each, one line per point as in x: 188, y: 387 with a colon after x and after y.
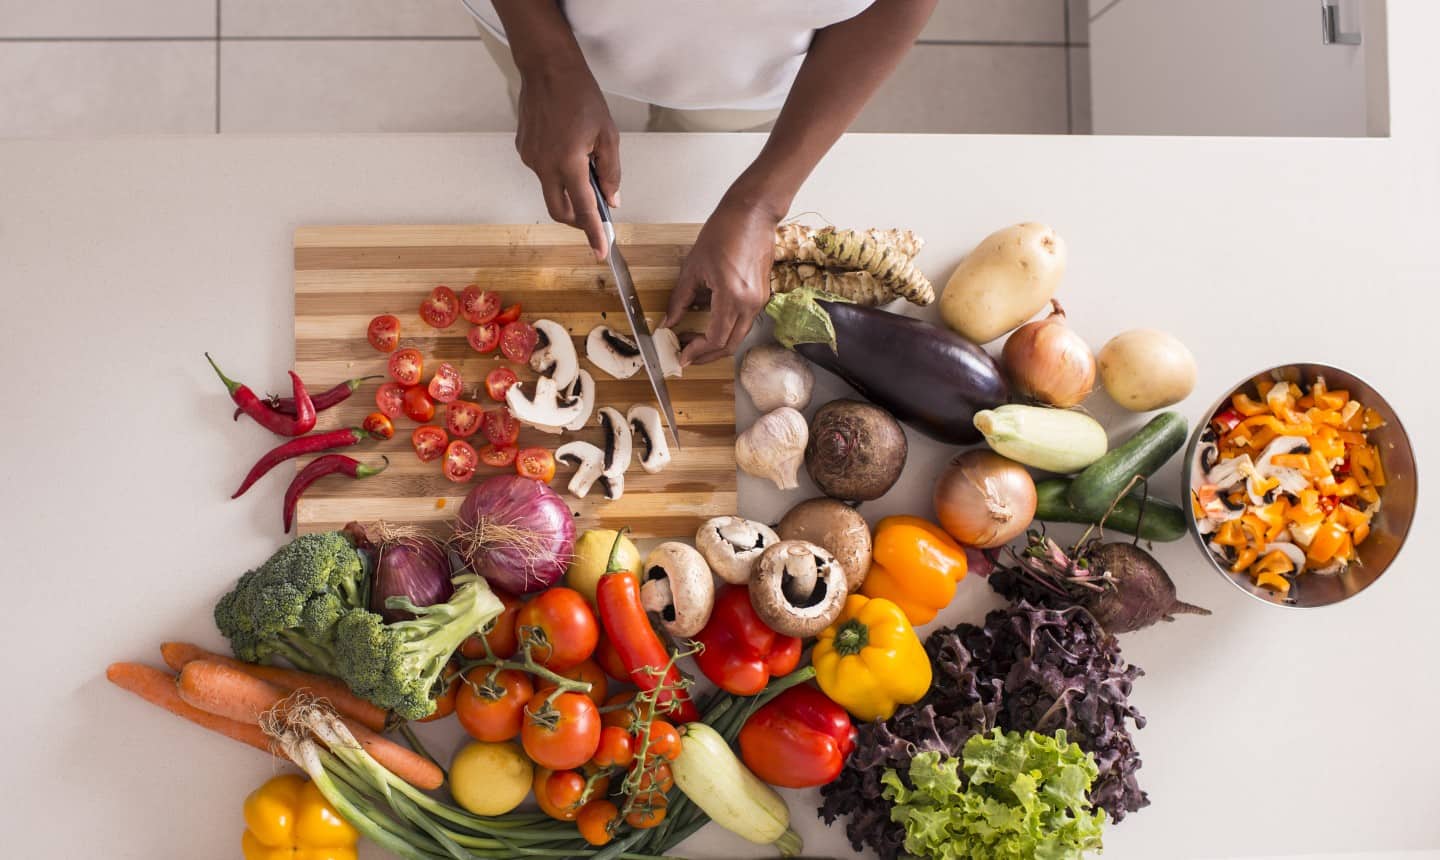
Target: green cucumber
x: 1163, y: 521
x: 1108, y: 477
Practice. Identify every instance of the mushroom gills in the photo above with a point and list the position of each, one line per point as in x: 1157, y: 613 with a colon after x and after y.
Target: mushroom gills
x: 805, y: 589
x: 645, y: 425
x: 678, y: 588
x: 543, y: 410
x: 613, y: 352
x: 582, y: 388
x: 732, y: 546
x: 554, y: 354
x: 617, y: 442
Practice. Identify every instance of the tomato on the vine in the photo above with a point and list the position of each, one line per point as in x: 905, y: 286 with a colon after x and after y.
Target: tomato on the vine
x: 418, y: 405
x: 562, y: 784
x: 478, y: 306
x: 378, y: 425
x: 656, y: 777
x: 564, y: 625
x: 609, y: 659
x: 462, y: 418
x: 664, y: 741
x: 535, y: 463
x: 501, y: 635
x: 407, y: 366
x: 498, y: 381
x: 429, y: 442
x: 500, y: 427
x: 440, y: 308
x: 445, y: 385
x: 445, y: 702
x: 586, y: 671
x: 498, y: 455
x: 384, y: 332
x: 648, y: 811
x: 560, y: 734
x: 484, y: 338
x: 617, y: 747
x: 460, y: 461
x: 517, y: 341
x: 493, y: 712
x: 621, y: 718
x: 597, y: 821
x: 509, y: 315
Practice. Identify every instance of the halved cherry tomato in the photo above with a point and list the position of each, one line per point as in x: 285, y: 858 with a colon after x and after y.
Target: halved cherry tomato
x: 462, y: 418
x: 501, y: 635
x: 493, y: 712
x: 390, y: 399
x: 517, y: 341
x: 535, y: 463
x: 418, y: 405
x: 384, y: 332
x: 498, y: 381
x: 509, y: 315
x: 586, y: 671
x: 378, y: 425
x: 497, y: 455
x: 440, y: 308
x: 478, y: 306
x: 484, y: 337
x: 560, y: 734
x: 617, y: 747
x: 561, y: 619
x: 597, y: 821
x: 429, y: 442
x: 460, y: 461
x: 445, y: 385
x: 500, y: 427
x: 407, y: 366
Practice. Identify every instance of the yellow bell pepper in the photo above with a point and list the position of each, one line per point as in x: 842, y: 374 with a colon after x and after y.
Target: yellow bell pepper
x: 870, y: 661
x: 288, y: 818
x: 915, y: 565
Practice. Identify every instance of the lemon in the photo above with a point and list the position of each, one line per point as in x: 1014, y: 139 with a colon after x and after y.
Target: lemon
x: 490, y: 779
x: 592, y: 555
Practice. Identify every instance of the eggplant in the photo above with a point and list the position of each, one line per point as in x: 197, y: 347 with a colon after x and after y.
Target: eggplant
x: 926, y: 376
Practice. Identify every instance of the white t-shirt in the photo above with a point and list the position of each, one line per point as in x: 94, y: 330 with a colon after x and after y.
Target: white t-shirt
x: 694, y: 54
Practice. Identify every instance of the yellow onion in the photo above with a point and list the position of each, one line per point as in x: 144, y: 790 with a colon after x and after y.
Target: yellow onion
x: 1048, y: 361
x: 984, y: 500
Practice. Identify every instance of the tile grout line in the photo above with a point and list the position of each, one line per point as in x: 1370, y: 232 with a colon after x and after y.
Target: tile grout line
x: 217, y: 66
x: 1069, y: 91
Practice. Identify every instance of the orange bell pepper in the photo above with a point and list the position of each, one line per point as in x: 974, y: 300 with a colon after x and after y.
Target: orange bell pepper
x: 915, y: 565
x: 1327, y: 542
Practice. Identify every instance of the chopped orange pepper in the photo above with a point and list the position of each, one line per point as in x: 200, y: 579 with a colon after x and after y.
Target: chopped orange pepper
x: 1247, y: 407
x: 1274, y: 582
x: 1292, y: 461
x: 1373, y: 421
x: 1274, y: 562
x: 1326, y: 543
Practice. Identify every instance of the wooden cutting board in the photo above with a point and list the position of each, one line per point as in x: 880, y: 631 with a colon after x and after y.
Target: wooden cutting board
x: 344, y: 276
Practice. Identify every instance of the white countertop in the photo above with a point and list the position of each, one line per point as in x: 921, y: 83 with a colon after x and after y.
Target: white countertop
x: 1271, y: 732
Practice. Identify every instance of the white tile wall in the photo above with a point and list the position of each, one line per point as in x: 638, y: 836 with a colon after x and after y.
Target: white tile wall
x: 388, y: 18
x: 997, y: 21
x: 106, y: 18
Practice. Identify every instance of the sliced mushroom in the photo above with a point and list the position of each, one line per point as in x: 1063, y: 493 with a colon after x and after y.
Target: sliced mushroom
x: 545, y: 410
x: 732, y: 546
x: 649, y: 436
x: 798, y: 588
x: 667, y: 348
x: 589, y: 462
x: 678, y: 588
x: 554, y: 354
x: 615, y: 353
x: 617, y: 450
x: 584, y: 388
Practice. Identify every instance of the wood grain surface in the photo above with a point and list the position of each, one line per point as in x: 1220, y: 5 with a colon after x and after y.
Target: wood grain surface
x: 344, y: 276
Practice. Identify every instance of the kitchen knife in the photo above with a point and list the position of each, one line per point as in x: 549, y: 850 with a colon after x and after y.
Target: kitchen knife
x: 630, y: 300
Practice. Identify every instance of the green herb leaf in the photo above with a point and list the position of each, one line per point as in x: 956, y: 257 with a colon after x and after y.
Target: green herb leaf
x: 800, y: 319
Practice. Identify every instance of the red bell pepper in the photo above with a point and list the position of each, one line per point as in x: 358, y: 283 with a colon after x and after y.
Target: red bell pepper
x: 799, y: 739
x: 741, y: 652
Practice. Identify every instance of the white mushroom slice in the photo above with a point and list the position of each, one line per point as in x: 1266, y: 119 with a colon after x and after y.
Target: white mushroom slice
x: 554, y: 354
x: 617, y: 446
x: 589, y: 462
x: 678, y: 588
x: 667, y: 348
x: 615, y: 353
x: 544, y: 410
x: 732, y: 545
x: 649, y: 436
x: 584, y: 388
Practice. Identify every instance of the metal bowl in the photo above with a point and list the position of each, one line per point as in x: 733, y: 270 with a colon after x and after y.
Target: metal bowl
x: 1387, y: 530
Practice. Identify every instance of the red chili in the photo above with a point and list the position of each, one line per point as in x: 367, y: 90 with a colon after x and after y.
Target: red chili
x: 312, y: 444
x: 623, y: 618
x: 276, y: 422
x: 322, y: 466
x: 322, y: 401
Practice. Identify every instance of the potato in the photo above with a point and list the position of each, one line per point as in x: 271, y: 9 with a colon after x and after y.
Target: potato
x: 1005, y: 281
x: 1144, y: 369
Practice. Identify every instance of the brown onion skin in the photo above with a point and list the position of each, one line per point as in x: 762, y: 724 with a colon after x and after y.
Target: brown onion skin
x: 961, y: 506
x: 1048, y: 362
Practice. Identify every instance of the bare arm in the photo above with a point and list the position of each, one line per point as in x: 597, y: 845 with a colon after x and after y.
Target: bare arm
x: 846, y: 64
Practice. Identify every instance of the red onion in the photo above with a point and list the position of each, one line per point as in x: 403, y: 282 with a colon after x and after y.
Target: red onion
x: 415, y: 568
x: 516, y: 532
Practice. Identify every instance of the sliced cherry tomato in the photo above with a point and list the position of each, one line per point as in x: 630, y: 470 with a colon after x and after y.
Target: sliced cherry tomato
x: 535, y: 463
x: 478, y: 306
x: 509, y: 315
x: 586, y: 671
x: 418, y: 405
x: 445, y: 385
x: 493, y: 711
x: 517, y: 341
x: 429, y: 442
x: 440, y: 308
x: 597, y: 821
x: 462, y: 418
x: 560, y: 734
x: 384, y: 332
x: 500, y: 427
x: 378, y: 425
x: 498, y: 455
x: 484, y: 338
x: 407, y: 366
x: 460, y: 461
x: 498, y: 381
x: 390, y: 399
x: 565, y: 626
x: 617, y: 747
x: 501, y: 635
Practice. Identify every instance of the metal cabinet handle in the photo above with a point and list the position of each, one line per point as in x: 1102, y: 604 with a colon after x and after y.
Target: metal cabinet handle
x: 1330, y: 32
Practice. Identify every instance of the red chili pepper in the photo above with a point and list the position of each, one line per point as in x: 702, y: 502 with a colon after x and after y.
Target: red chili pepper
x: 311, y: 444
x: 322, y: 401
x: 623, y: 618
x: 741, y: 652
x: 800, y: 739
x: 302, y: 422
x: 319, y: 468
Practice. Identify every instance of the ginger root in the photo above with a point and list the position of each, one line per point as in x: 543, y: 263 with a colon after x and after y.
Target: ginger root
x: 853, y: 249
x: 858, y: 287
x: 795, y: 243
x: 871, y: 267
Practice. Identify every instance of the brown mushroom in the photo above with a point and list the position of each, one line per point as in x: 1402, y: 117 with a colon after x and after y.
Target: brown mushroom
x: 732, y: 546
x: 678, y: 588
x: 838, y: 528
x: 798, y: 588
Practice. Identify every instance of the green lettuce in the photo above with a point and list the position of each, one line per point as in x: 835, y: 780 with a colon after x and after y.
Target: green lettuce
x: 1022, y: 796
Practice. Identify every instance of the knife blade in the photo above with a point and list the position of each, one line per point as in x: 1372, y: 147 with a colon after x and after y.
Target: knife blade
x: 634, y: 312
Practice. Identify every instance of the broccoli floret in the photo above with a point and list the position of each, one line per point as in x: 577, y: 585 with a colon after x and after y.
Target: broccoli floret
x: 396, y: 666
x: 289, y: 606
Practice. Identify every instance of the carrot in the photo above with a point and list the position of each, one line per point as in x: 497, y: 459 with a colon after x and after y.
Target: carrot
x: 234, y: 694
x: 158, y: 688
x: 332, y: 690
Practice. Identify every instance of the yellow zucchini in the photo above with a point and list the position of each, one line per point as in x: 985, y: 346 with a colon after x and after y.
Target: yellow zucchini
x: 715, y: 780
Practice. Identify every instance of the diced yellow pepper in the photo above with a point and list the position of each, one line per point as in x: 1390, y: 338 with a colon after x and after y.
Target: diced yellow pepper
x: 1326, y: 543
x: 1373, y: 421
x: 1247, y: 407
x: 1332, y: 400
x: 1273, y: 582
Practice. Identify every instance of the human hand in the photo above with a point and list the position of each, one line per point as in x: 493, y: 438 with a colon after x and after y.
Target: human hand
x: 729, y: 263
